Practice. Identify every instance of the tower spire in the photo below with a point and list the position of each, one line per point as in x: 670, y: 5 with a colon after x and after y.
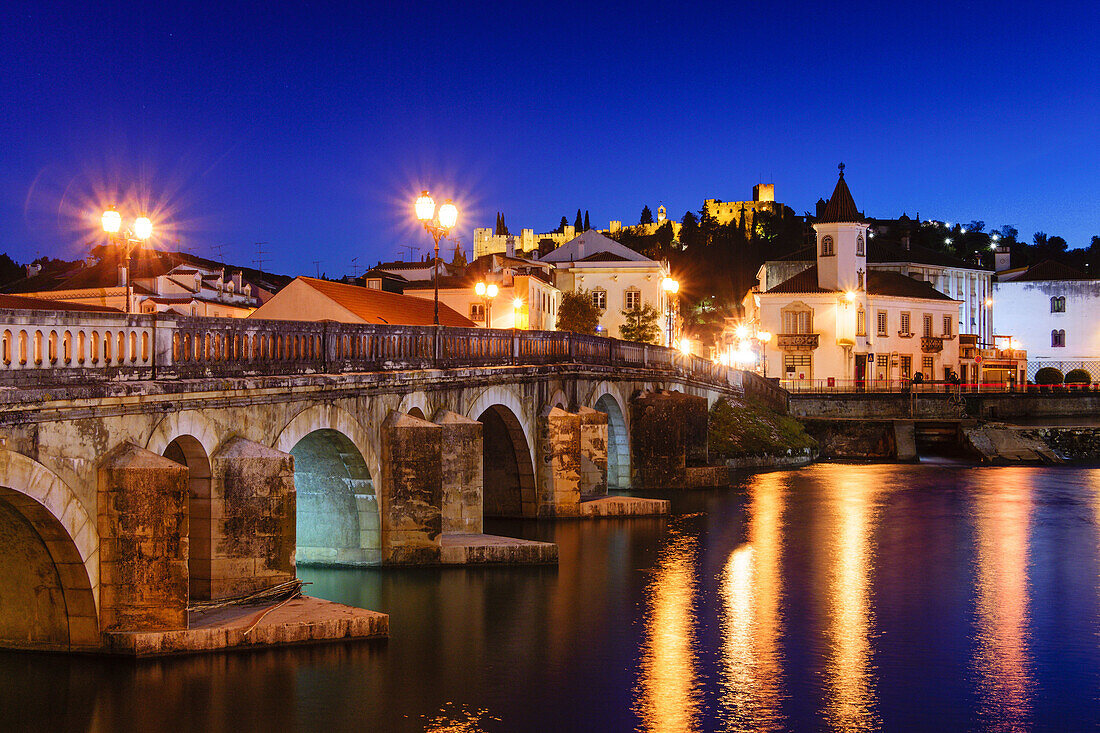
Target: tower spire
x: 841, y: 169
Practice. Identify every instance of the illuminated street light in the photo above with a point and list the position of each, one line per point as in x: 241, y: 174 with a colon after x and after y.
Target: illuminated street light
x: 487, y: 293
x: 444, y: 222
x: 671, y: 287
x: 850, y: 296
x: 517, y: 305
x: 143, y: 228
x: 111, y: 221
x: 947, y: 240
x: 764, y: 337
x: 742, y: 332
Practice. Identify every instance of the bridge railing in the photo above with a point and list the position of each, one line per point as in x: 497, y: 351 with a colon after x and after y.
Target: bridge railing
x: 42, y: 347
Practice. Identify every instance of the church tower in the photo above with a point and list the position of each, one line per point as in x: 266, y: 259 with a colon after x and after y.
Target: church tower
x: 660, y: 214
x: 841, y: 242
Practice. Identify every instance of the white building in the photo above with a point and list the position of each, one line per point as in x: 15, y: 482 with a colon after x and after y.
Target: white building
x: 526, y: 297
x: 969, y: 284
x: 838, y: 324
x: 618, y: 277
x: 1051, y: 309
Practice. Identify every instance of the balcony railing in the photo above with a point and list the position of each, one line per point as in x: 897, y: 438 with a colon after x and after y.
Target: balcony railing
x: 67, y: 347
x: 931, y: 344
x: 797, y: 341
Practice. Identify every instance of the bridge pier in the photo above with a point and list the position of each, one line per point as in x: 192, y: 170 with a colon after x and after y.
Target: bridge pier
x: 593, y: 452
x: 142, y: 501
x: 559, y: 463
x: 461, y: 473
x: 668, y: 432
x: 412, y: 490
x: 252, y: 516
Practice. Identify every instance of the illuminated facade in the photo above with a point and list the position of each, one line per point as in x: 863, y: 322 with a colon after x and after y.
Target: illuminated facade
x: 837, y: 324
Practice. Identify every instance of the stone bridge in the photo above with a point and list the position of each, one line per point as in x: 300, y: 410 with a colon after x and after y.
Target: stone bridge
x: 148, y: 462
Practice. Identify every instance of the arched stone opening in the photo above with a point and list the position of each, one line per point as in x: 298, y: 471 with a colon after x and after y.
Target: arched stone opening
x: 509, y: 477
x: 46, y: 599
x: 416, y: 412
x: 338, y: 515
x: 186, y: 450
x: 618, y: 443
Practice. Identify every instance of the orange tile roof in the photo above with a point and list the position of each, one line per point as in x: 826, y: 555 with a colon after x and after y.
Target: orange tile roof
x: 380, y: 306
x: 19, y: 302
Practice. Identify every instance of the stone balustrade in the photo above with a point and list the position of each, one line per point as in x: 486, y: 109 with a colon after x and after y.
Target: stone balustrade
x: 44, y: 347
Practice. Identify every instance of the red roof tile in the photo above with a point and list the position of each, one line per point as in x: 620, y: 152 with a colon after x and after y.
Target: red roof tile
x: 380, y: 306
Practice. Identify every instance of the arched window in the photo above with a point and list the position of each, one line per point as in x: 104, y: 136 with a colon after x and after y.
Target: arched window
x: 861, y: 322
x: 1058, y: 337
x: 860, y: 249
x: 53, y: 347
x: 827, y: 249
x: 1058, y: 304
x: 798, y: 318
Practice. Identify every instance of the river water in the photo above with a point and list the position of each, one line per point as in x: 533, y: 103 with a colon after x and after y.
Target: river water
x: 834, y: 597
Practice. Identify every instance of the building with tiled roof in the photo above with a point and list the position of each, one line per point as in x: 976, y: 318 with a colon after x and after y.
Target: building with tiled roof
x: 311, y: 299
x: 160, y: 282
x: 969, y: 284
x: 617, y: 277
x: 839, y: 323
x: 1050, y: 308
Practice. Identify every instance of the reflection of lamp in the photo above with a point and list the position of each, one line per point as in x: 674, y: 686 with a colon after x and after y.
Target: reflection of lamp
x: 445, y: 221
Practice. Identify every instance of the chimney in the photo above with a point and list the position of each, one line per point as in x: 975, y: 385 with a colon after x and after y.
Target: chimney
x: 238, y: 281
x: 510, y: 246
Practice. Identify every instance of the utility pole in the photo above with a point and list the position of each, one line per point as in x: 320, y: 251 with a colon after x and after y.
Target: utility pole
x: 317, y: 265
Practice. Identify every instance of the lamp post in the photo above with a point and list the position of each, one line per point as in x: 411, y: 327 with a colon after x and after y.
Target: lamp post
x: 671, y: 287
x: 142, y: 229
x: 764, y: 337
x: 517, y: 305
x: 487, y: 293
x: 438, y: 225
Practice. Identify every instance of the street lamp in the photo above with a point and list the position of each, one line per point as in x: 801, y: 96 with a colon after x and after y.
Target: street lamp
x: 111, y: 222
x: 671, y: 287
x: 517, y: 305
x: 444, y: 221
x: 764, y: 337
x: 487, y: 293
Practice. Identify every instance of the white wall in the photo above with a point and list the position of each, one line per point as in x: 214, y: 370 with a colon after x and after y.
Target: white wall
x: 1022, y: 309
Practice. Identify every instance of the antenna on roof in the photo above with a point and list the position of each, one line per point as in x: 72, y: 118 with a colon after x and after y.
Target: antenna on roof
x: 355, y: 267
x: 219, y: 251
x: 317, y: 264
x: 413, y: 250
x: 260, y: 256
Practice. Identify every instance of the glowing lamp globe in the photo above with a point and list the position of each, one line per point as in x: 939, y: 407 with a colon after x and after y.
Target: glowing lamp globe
x: 491, y: 290
x: 425, y: 207
x: 143, y: 228
x: 764, y: 336
x: 741, y: 332
x: 111, y: 220
x: 448, y: 214
x: 517, y: 303
x: 669, y: 285
x: 850, y: 296
x: 480, y: 289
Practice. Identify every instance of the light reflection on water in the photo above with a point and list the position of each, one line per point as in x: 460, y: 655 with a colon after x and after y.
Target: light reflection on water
x: 668, y: 696
x: 750, y: 587
x: 902, y: 598
x: 1002, y: 510
x: 848, y: 521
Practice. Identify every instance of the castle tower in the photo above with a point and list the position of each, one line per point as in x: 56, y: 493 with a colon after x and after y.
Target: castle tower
x: 660, y: 213
x: 841, y: 242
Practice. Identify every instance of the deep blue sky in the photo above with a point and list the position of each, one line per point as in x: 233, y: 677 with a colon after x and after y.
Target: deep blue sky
x: 312, y: 128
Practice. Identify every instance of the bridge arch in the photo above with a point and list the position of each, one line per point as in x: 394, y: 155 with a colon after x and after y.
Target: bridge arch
x: 417, y: 405
x: 508, y: 469
x: 188, y: 422
x: 558, y: 399
x: 49, y: 561
x: 618, y: 439
x: 335, y: 469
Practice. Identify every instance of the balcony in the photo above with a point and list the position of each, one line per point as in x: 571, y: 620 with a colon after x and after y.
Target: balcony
x: 797, y: 341
x: 931, y: 344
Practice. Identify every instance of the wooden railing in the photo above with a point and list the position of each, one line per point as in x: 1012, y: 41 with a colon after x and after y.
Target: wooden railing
x: 52, y: 347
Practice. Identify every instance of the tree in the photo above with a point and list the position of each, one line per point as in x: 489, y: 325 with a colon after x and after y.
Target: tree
x: 641, y: 324
x: 562, y: 225
x: 647, y: 215
x: 578, y: 225
x: 577, y: 313
x: 586, y: 225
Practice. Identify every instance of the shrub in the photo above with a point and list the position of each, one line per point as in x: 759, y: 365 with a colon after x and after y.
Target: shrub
x: 1078, y: 376
x: 1048, y: 376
